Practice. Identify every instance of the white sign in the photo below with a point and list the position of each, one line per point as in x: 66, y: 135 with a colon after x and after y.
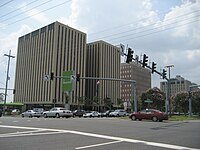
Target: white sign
x: 46, y: 78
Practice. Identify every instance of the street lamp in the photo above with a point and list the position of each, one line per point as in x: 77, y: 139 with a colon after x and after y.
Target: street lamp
x: 169, y: 90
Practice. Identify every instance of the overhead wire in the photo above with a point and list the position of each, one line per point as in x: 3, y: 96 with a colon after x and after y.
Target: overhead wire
x: 156, y: 28
x: 35, y: 14
x: 138, y: 28
x: 18, y: 9
x: 6, y: 3
x: 138, y: 20
x: 158, y: 31
x: 26, y: 11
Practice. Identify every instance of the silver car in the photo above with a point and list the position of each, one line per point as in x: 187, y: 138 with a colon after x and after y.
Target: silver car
x: 58, y: 112
x: 31, y: 113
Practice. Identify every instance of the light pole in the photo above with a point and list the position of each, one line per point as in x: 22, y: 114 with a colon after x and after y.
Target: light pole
x: 7, y: 78
x: 169, y: 88
x: 190, y: 101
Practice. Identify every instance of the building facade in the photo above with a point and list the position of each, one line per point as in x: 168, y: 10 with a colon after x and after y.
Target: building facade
x: 54, y: 48
x: 142, y: 76
x: 176, y: 85
x: 103, y: 61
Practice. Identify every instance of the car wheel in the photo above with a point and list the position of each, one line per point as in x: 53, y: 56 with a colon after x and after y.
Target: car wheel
x: 57, y: 115
x: 22, y: 116
x: 45, y: 115
x: 133, y: 118
x: 154, y: 118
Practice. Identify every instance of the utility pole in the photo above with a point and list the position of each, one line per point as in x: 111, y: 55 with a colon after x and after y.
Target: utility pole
x: 7, y: 78
x: 169, y: 89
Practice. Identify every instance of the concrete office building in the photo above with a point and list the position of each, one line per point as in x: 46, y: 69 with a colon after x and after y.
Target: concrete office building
x: 142, y: 76
x: 54, y: 48
x: 103, y: 61
x: 176, y: 85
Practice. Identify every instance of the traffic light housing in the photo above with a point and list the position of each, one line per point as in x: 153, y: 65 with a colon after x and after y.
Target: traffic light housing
x: 164, y: 74
x: 153, y: 67
x: 145, y: 60
x: 77, y: 77
x: 52, y: 76
x: 129, y: 55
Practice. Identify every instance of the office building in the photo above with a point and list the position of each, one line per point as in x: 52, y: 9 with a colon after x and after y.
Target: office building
x: 176, y: 85
x: 142, y: 76
x: 103, y: 61
x: 54, y: 48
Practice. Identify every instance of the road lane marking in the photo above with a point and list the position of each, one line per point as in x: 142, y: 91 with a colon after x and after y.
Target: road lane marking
x: 169, y: 146
x: 29, y: 134
x: 95, y: 145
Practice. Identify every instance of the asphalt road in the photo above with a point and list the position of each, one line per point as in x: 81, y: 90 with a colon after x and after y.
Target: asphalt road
x: 96, y: 134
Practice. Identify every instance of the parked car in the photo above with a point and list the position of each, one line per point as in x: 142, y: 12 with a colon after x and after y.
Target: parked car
x: 78, y: 113
x: 150, y: 114
x: 106, y: 114
x: 92, y: 114
x: 15, y: 112
x: 118, y: 113
x: 58, y: 112
x: 31, y: 113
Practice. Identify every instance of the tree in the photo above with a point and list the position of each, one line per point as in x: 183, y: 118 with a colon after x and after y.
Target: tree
x: 195, y: 97
x: 119, y: 103
x: 1, y: 97
x: 108, y: 103
x: 155, y: 95
x: 180, y: 102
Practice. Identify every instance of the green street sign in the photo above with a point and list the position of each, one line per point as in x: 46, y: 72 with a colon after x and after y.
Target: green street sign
x: 67, y: 84
x: 148, y: 101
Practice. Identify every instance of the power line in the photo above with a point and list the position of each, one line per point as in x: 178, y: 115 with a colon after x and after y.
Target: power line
x: 116, y: 27
x: 128, y: 31
x: 166, y: 25
x: 6, y: 3
x: 158, y: 31
x: 27, y: 11
x: 35, y: 14
x: 18, y: 8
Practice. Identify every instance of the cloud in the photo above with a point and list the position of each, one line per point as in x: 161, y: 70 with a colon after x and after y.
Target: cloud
x: 35, y: 14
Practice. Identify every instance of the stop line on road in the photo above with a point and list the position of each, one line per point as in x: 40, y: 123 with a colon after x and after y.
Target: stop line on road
x: 45, y: 131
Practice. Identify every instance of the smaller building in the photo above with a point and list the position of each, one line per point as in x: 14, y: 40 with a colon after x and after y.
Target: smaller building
x: 176, y: 85
x: 142, y: 76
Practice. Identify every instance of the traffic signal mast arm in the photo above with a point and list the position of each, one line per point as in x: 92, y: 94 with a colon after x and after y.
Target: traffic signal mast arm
x: 144, y: 63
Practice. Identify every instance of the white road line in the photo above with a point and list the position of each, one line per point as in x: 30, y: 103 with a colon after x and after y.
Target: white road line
x: 13, y: 133
x: 169, y: 146
x: 95, y: 145
x: 29, y: 134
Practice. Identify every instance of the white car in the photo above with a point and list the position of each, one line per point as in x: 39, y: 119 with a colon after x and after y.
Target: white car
x: 118, y: 113
x: 92, y: 114
x: 31, y: 113
x: 58, y: 112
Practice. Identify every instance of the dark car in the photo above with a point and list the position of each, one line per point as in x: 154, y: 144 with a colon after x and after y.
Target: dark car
x: 78, y: 113
x: 106, y: 114
x: 150, y: 114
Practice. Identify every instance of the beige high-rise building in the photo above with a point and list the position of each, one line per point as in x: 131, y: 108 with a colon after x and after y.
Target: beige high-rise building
x: 103, y: 61
x: 142, y: 76
x: 54, y: 48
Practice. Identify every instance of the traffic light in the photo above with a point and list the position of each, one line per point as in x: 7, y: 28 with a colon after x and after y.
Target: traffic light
x: 153, y: 67
x: 77, y: 77
x: 145, y: 60
x: 129, y: 55
x: 164, y: 74
x: 52, y: 76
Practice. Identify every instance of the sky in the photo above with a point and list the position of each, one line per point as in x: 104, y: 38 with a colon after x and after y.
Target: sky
x: 167, y: 31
